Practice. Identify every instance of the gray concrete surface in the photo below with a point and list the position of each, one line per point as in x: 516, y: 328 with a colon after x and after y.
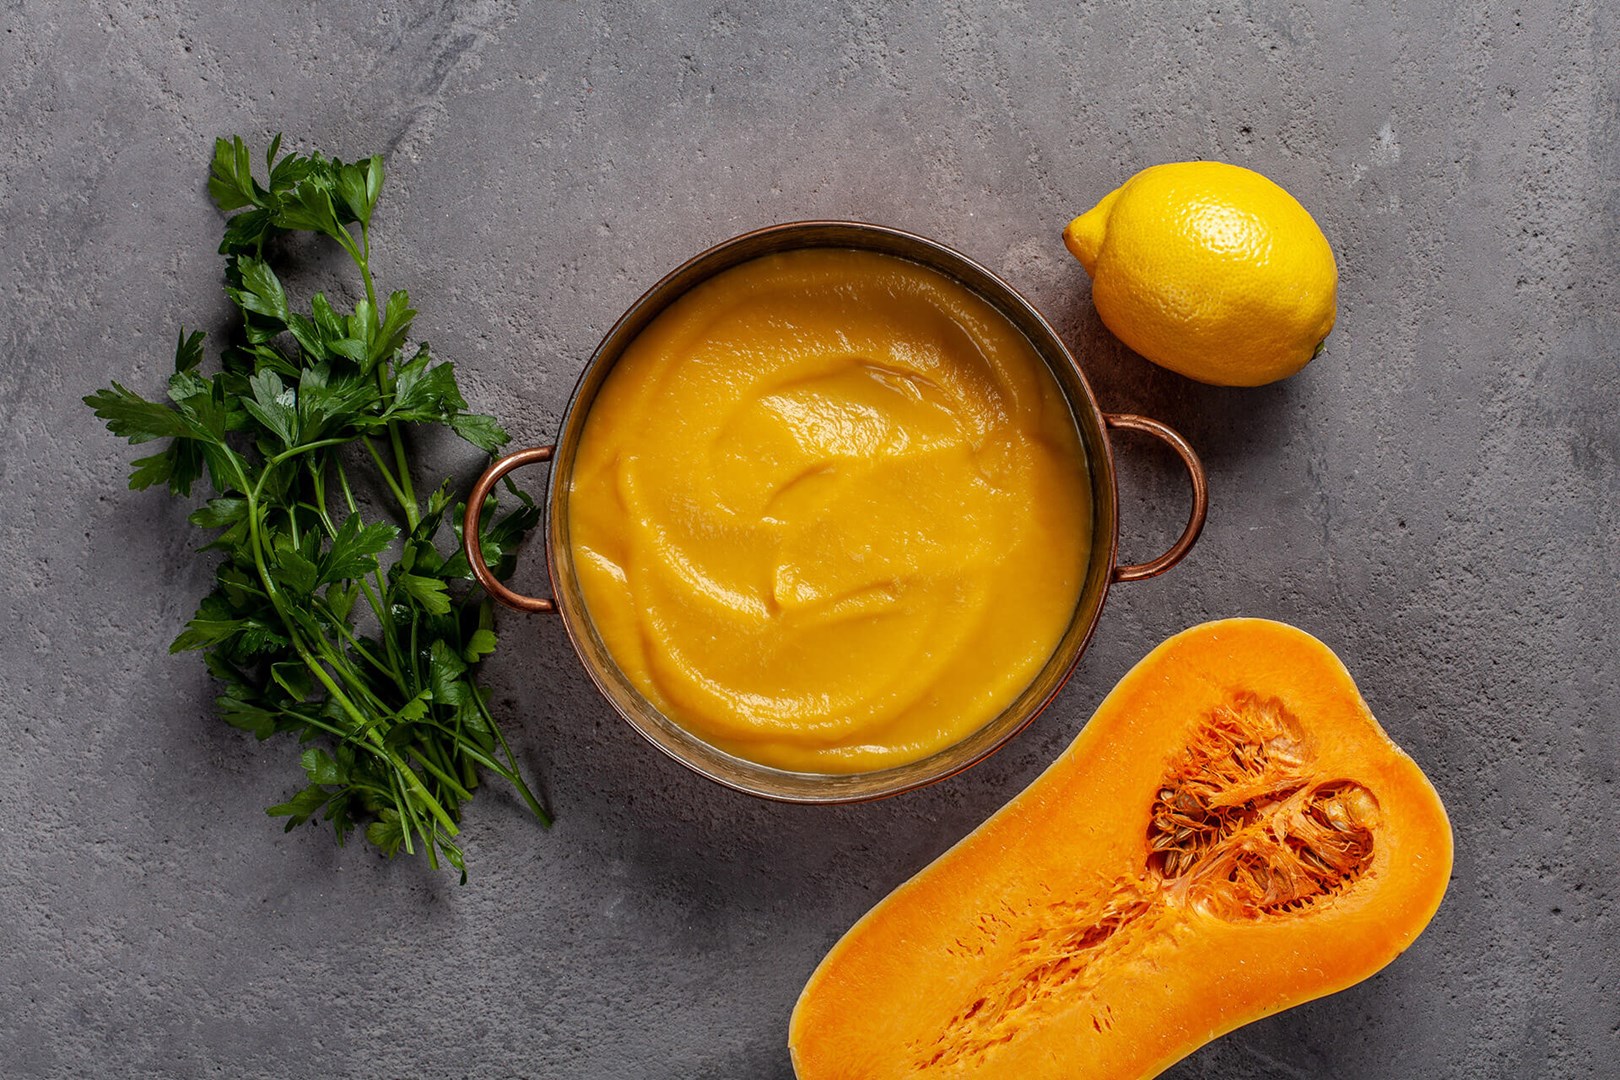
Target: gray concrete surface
x: 1436, y: 497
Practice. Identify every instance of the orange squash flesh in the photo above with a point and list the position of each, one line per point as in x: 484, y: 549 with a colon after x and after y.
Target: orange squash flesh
x: 1231, y: 834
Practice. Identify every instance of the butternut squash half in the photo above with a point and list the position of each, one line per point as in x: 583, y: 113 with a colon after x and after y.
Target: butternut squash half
x: 1232, y: 834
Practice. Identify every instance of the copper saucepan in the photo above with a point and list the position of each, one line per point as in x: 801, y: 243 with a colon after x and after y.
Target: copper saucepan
x: 1104, y: 570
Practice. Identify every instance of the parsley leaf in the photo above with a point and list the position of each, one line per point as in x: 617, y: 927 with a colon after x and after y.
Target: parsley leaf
x: 355, y: 548
x: 480, y: 430
x: 132, y: 417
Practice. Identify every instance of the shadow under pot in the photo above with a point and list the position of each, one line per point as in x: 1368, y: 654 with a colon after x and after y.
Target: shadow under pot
x: 730, y: 419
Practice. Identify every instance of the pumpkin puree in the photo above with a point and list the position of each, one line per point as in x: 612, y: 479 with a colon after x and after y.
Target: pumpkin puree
x: 830, y: 512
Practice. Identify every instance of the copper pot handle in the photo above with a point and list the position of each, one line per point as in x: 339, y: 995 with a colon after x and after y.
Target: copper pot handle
x: 469, y: 529
x: 1200, y: 490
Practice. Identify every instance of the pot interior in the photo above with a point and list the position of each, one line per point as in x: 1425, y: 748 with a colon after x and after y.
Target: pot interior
x: 782, y: 784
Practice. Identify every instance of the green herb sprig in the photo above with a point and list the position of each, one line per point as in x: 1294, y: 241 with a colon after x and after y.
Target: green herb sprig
x: 301, y: 399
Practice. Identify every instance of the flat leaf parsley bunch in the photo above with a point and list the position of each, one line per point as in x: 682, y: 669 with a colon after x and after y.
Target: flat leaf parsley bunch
x: 400, y: 729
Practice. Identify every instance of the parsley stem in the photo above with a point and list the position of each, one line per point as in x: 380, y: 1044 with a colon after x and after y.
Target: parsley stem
x: 371, y: 598
x: 329, y: 654
x: 408, y: 822
x: 348, y: 495
x: 432, y: 804
x: 448, y: 780
x: 320, y: 515
x: 512, y: 773
x: 388, y: 478
x: 365, y: 654
x: 413, y: 513
x: 316, y: 467
x: 446, y: 760
x: 403, y: 490
x: 341, y: 736
x: 506, y: 772
x: 301, y: 448
x: 378, y: 609
x: 362, y: 259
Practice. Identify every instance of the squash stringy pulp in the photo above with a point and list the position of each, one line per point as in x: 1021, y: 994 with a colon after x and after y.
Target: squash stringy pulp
x: 369, y: 665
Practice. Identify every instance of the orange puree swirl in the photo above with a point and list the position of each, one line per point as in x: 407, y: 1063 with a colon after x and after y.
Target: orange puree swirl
x: 830, y: 512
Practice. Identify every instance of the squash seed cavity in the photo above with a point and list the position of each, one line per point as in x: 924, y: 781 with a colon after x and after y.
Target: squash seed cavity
x: 1243, y: 826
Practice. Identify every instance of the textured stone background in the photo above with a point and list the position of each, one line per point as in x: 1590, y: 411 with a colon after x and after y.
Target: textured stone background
x: 1436, y: 497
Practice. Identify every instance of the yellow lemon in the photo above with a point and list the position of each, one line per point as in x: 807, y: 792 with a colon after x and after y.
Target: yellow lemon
x: 1211, y: 270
